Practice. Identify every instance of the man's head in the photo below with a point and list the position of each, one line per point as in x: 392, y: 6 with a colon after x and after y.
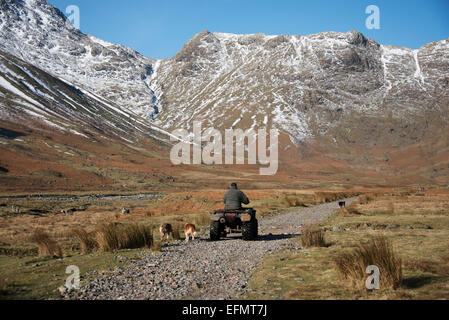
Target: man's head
x: 233, y: 185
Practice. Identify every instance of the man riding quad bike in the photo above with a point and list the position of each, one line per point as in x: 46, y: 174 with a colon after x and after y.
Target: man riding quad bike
x: 234, y: 218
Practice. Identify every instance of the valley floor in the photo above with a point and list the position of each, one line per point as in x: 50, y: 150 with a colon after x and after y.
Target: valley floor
x: 276, y: 266
x: 203, y: 269
x: 417, y: 224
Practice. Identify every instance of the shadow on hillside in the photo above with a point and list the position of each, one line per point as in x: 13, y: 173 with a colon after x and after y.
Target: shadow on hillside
x: 10, y: 134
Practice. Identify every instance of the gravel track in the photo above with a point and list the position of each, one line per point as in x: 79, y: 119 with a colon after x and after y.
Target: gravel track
x: 202, y: 269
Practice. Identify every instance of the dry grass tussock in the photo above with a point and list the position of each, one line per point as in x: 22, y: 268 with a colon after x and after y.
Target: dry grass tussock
x: 366, y: 198
x: 322, y: 197
x: 348, y: 211
x: 86, y: 240
x: 379, y: 252
x: 202, y: 219
x: 115, y: 236
x: 312, y: 236
x: 291, y: 200
x: 45, y: 244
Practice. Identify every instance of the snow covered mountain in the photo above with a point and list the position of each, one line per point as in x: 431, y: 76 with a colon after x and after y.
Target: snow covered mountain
x: 303, y: 85
x: 40, y: 34
x: 31, y: 97
x: 56, y: 136
x: 338, y: 95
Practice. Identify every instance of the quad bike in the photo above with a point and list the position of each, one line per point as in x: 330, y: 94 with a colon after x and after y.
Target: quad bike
x: 242, y: 221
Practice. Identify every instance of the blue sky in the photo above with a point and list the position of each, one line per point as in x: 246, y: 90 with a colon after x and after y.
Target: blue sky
x: 158, y: 29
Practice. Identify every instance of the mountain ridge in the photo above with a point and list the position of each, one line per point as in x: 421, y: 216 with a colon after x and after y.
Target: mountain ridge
x: 339, y: 96
x: 40, y: 34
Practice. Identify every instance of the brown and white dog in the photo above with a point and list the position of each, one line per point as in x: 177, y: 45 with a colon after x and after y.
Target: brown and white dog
x: 189, y: 230
x: 166, y: 229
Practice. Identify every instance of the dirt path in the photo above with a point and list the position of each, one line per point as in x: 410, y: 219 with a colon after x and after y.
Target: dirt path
x: 203, y: 269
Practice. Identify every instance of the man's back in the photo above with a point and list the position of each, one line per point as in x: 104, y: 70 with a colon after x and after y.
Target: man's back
x: 234, y: 198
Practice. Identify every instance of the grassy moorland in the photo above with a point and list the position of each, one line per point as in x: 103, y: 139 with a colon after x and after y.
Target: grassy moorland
x: 38, y: 241
x: 416, y: 224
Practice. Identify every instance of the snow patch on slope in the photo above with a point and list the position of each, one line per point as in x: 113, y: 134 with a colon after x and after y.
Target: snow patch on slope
x: 7, y: 85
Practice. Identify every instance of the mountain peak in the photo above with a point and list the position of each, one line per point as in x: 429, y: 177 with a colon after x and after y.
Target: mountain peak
x: 31, y: 11
x: 39, y: 33
x: 352, y: 37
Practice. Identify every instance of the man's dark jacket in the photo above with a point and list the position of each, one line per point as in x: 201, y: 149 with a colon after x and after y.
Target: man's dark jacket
x: 234, y: 198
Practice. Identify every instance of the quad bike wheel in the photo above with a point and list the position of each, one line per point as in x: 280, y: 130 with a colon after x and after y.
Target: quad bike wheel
x: 215, y: 230
x: 250, y: 230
